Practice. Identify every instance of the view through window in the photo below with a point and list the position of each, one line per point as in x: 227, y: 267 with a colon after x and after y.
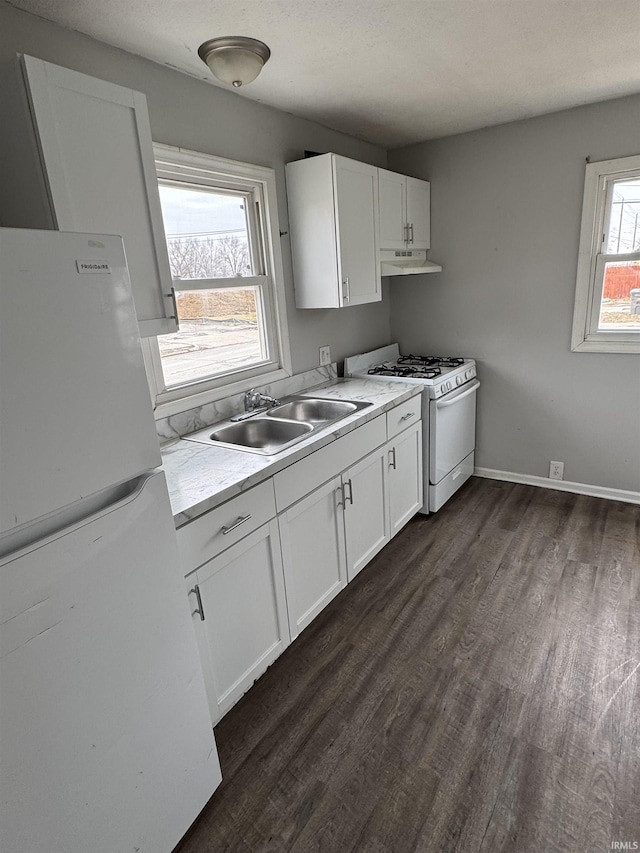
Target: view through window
x: 620, y: 302
x: 209, y: 238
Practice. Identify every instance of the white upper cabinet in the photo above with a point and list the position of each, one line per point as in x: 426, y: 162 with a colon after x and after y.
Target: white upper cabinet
x: 333, y: 220
x: 94, y: 152
x: 405, y: 218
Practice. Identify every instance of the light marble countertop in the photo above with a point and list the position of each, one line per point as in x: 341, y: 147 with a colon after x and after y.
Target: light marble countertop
x: 200, y: 477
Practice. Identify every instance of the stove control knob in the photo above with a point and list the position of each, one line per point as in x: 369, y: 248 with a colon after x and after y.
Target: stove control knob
x: 459, y: 380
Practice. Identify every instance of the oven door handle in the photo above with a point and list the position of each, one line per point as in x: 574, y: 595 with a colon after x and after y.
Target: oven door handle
x: 442, y: 404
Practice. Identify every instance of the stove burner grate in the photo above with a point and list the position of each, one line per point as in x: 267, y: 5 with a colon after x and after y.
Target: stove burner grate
x: 406, y: 371
x: 430, y: 360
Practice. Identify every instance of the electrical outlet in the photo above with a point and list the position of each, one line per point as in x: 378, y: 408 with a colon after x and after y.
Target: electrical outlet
x: 325, y: 355
x: 556, y: 470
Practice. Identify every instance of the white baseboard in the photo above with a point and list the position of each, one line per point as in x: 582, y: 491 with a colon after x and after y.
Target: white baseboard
x: 560, y: 485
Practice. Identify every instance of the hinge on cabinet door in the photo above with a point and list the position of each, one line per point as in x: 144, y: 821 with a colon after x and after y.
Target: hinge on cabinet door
x: 200, y: 608
x: 346, y: 290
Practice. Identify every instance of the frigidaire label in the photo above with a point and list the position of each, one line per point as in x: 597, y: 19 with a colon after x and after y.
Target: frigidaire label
x: 93, y: 266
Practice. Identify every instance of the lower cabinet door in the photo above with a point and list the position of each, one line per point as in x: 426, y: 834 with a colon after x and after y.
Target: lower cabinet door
x: 239, y: 608
x: 404, y: 455
x: 366, y: 515
x: 312, y: 537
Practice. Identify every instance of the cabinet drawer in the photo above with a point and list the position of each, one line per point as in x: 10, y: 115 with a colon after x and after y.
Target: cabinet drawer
x: 208, y: 535
x: 304, y: 476
x: 404, y: 416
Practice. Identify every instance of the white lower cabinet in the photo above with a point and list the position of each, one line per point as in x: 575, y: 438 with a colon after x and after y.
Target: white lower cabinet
x: 256, y: 580
x: 240, y: 615
x: 405, y: 478
x: 366, y: 515
x: 313, y: 553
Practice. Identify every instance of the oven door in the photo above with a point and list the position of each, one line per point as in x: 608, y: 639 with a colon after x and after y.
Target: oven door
x: 452, y: 422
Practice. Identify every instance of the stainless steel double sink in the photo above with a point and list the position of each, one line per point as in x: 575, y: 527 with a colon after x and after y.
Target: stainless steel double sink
x: 279, y: 427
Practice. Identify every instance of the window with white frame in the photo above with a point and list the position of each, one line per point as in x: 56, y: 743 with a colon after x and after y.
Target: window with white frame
x: 222, y: 233
x: 607, y: 308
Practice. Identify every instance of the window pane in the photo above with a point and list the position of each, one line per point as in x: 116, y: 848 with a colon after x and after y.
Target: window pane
x: 220, y: 332
x: 623, y: 233
x: 207, y: 233
x: 620, y: 306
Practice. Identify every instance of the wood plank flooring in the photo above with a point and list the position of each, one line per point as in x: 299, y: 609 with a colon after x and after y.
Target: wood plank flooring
x: 476, y: 689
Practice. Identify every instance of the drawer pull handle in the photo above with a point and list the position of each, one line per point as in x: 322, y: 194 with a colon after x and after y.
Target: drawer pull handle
x: 237, y: 523
x: 392, y: 454
x: 407, y: 416
x: 200, y: 607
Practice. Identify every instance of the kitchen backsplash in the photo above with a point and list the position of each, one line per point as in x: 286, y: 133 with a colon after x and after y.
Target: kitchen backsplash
x: 174, y: 427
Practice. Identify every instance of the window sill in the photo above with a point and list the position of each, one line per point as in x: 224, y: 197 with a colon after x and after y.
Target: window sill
x: 606, y: 345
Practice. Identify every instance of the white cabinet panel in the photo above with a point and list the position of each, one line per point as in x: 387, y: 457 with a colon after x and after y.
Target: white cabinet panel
x: 96, y: 158
x: 301, y: 478
x: 356, y: 194
x: 419, y: 213
x: 405, y: 477
x: 215, y: 531
x: 241, y: 596
x: 392, y: 189
x: 405, y: 211
x: 333, y: 220
x: 404, y: 415
x: 313, y: 553
x: 366, y: 516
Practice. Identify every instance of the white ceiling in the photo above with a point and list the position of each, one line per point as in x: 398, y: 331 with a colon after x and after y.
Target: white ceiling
x: 390, y: 71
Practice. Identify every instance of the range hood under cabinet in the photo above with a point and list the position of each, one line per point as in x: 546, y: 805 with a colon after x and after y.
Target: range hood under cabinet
x: 405, y: 224
x: 406, y: 262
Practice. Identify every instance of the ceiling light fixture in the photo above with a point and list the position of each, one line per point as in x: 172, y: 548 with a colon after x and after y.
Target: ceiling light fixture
x: 236, y: 60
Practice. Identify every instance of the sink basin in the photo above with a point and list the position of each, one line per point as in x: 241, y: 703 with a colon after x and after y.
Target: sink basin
x: 279, y: 427
x: 266, y: 435
x: 313, y: 410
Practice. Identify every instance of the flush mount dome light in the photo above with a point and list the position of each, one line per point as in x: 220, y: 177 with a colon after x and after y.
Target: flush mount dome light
x: 236, y: 60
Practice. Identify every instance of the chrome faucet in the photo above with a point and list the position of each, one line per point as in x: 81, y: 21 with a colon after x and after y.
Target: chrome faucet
x: 255, y: 400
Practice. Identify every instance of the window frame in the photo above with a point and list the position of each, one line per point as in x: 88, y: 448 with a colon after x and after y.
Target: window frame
x: 191, y: 168
x: 592, y: 259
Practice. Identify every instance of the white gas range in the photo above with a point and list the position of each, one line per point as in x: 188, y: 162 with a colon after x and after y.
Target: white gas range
x: 448, y: 412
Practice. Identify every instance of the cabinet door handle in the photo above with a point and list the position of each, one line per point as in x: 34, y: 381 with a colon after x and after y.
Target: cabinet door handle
x: 346, y: 289
x: 237, y: 523
x: 411, y: 232
x: 392, y: 454
x: 200, y: 608
x: 350, y: 498
x: 172, y: 297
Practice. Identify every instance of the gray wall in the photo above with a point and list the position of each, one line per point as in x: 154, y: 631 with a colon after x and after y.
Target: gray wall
x: 506, y: 207
x: 194, y: 114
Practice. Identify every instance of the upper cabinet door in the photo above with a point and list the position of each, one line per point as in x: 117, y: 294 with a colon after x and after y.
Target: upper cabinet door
x: 333, y: 220
x: 419, y: 213
x: 356, y: 200
x: 96, y: 151
x: 393, y: 209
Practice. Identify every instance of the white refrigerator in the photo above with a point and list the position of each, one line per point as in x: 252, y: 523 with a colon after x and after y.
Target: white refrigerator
x: 106, y: 742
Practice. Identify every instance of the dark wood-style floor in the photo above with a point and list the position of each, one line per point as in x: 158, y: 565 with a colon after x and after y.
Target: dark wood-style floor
x: 475, y: 689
